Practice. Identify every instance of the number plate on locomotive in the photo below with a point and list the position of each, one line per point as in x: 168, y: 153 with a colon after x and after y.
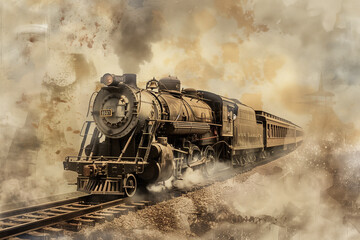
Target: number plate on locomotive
x: 105, y: 112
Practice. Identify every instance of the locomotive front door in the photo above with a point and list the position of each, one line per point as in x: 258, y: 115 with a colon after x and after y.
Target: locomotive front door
x: 228, y: 119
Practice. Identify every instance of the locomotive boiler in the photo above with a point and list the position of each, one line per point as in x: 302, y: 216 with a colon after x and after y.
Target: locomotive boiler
x: 141, y: 136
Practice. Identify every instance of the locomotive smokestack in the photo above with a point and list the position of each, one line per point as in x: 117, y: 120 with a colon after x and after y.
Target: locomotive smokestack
x: 130, y: 79
x: 114, y: 80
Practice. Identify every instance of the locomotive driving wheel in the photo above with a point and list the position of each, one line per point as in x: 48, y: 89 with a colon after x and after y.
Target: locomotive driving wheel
x: 210, y: 161
x: 130, y: 185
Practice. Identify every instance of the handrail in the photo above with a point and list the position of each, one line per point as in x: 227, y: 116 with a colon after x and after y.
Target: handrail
x: 126, y: 145
x: 90, y: 100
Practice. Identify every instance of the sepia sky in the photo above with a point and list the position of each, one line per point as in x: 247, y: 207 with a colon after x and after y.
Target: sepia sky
x: 274, y: 50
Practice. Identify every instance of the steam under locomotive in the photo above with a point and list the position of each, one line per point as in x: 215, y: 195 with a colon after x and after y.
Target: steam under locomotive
x: 143, y: 136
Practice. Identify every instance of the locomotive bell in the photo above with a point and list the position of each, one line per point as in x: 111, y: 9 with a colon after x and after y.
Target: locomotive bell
x: 152, y: 84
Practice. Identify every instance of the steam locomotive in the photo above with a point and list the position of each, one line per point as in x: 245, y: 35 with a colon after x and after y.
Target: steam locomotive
x: 141, y: 136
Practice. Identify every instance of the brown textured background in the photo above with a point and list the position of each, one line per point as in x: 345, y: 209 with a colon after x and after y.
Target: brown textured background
x: 268, y: 54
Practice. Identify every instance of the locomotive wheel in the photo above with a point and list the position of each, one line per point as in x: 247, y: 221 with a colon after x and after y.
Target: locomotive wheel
x: 262, y: 156
x: 130, y: 185
x: 250, y: 158
x: 194, y: 155
x: 253, y: 157
x: 210, y: 161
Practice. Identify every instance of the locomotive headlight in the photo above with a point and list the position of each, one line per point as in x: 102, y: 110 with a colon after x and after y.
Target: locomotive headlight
x: 107, y: 79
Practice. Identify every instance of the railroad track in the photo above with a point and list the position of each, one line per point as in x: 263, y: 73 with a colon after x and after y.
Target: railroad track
x: 54, y: 219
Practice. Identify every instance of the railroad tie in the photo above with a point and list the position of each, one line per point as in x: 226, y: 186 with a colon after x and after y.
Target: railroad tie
x: 53, y: 231
x: 128, y: 207
x: 78, y: 205
x: 7, y: 224
x: 138, y: 205
x: 83, y: 221
x: 45, y: 213
x: 70, y: 208
x: 97, y: 219
x: 58, y: 211
x: 108, y: 216
x: 74, y: 227
x: 115, y: 213
x: 35, y: 235
x: 20, y: 220
x: 121, y: 210
x: 33, y: 217
x: 147, y: 203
